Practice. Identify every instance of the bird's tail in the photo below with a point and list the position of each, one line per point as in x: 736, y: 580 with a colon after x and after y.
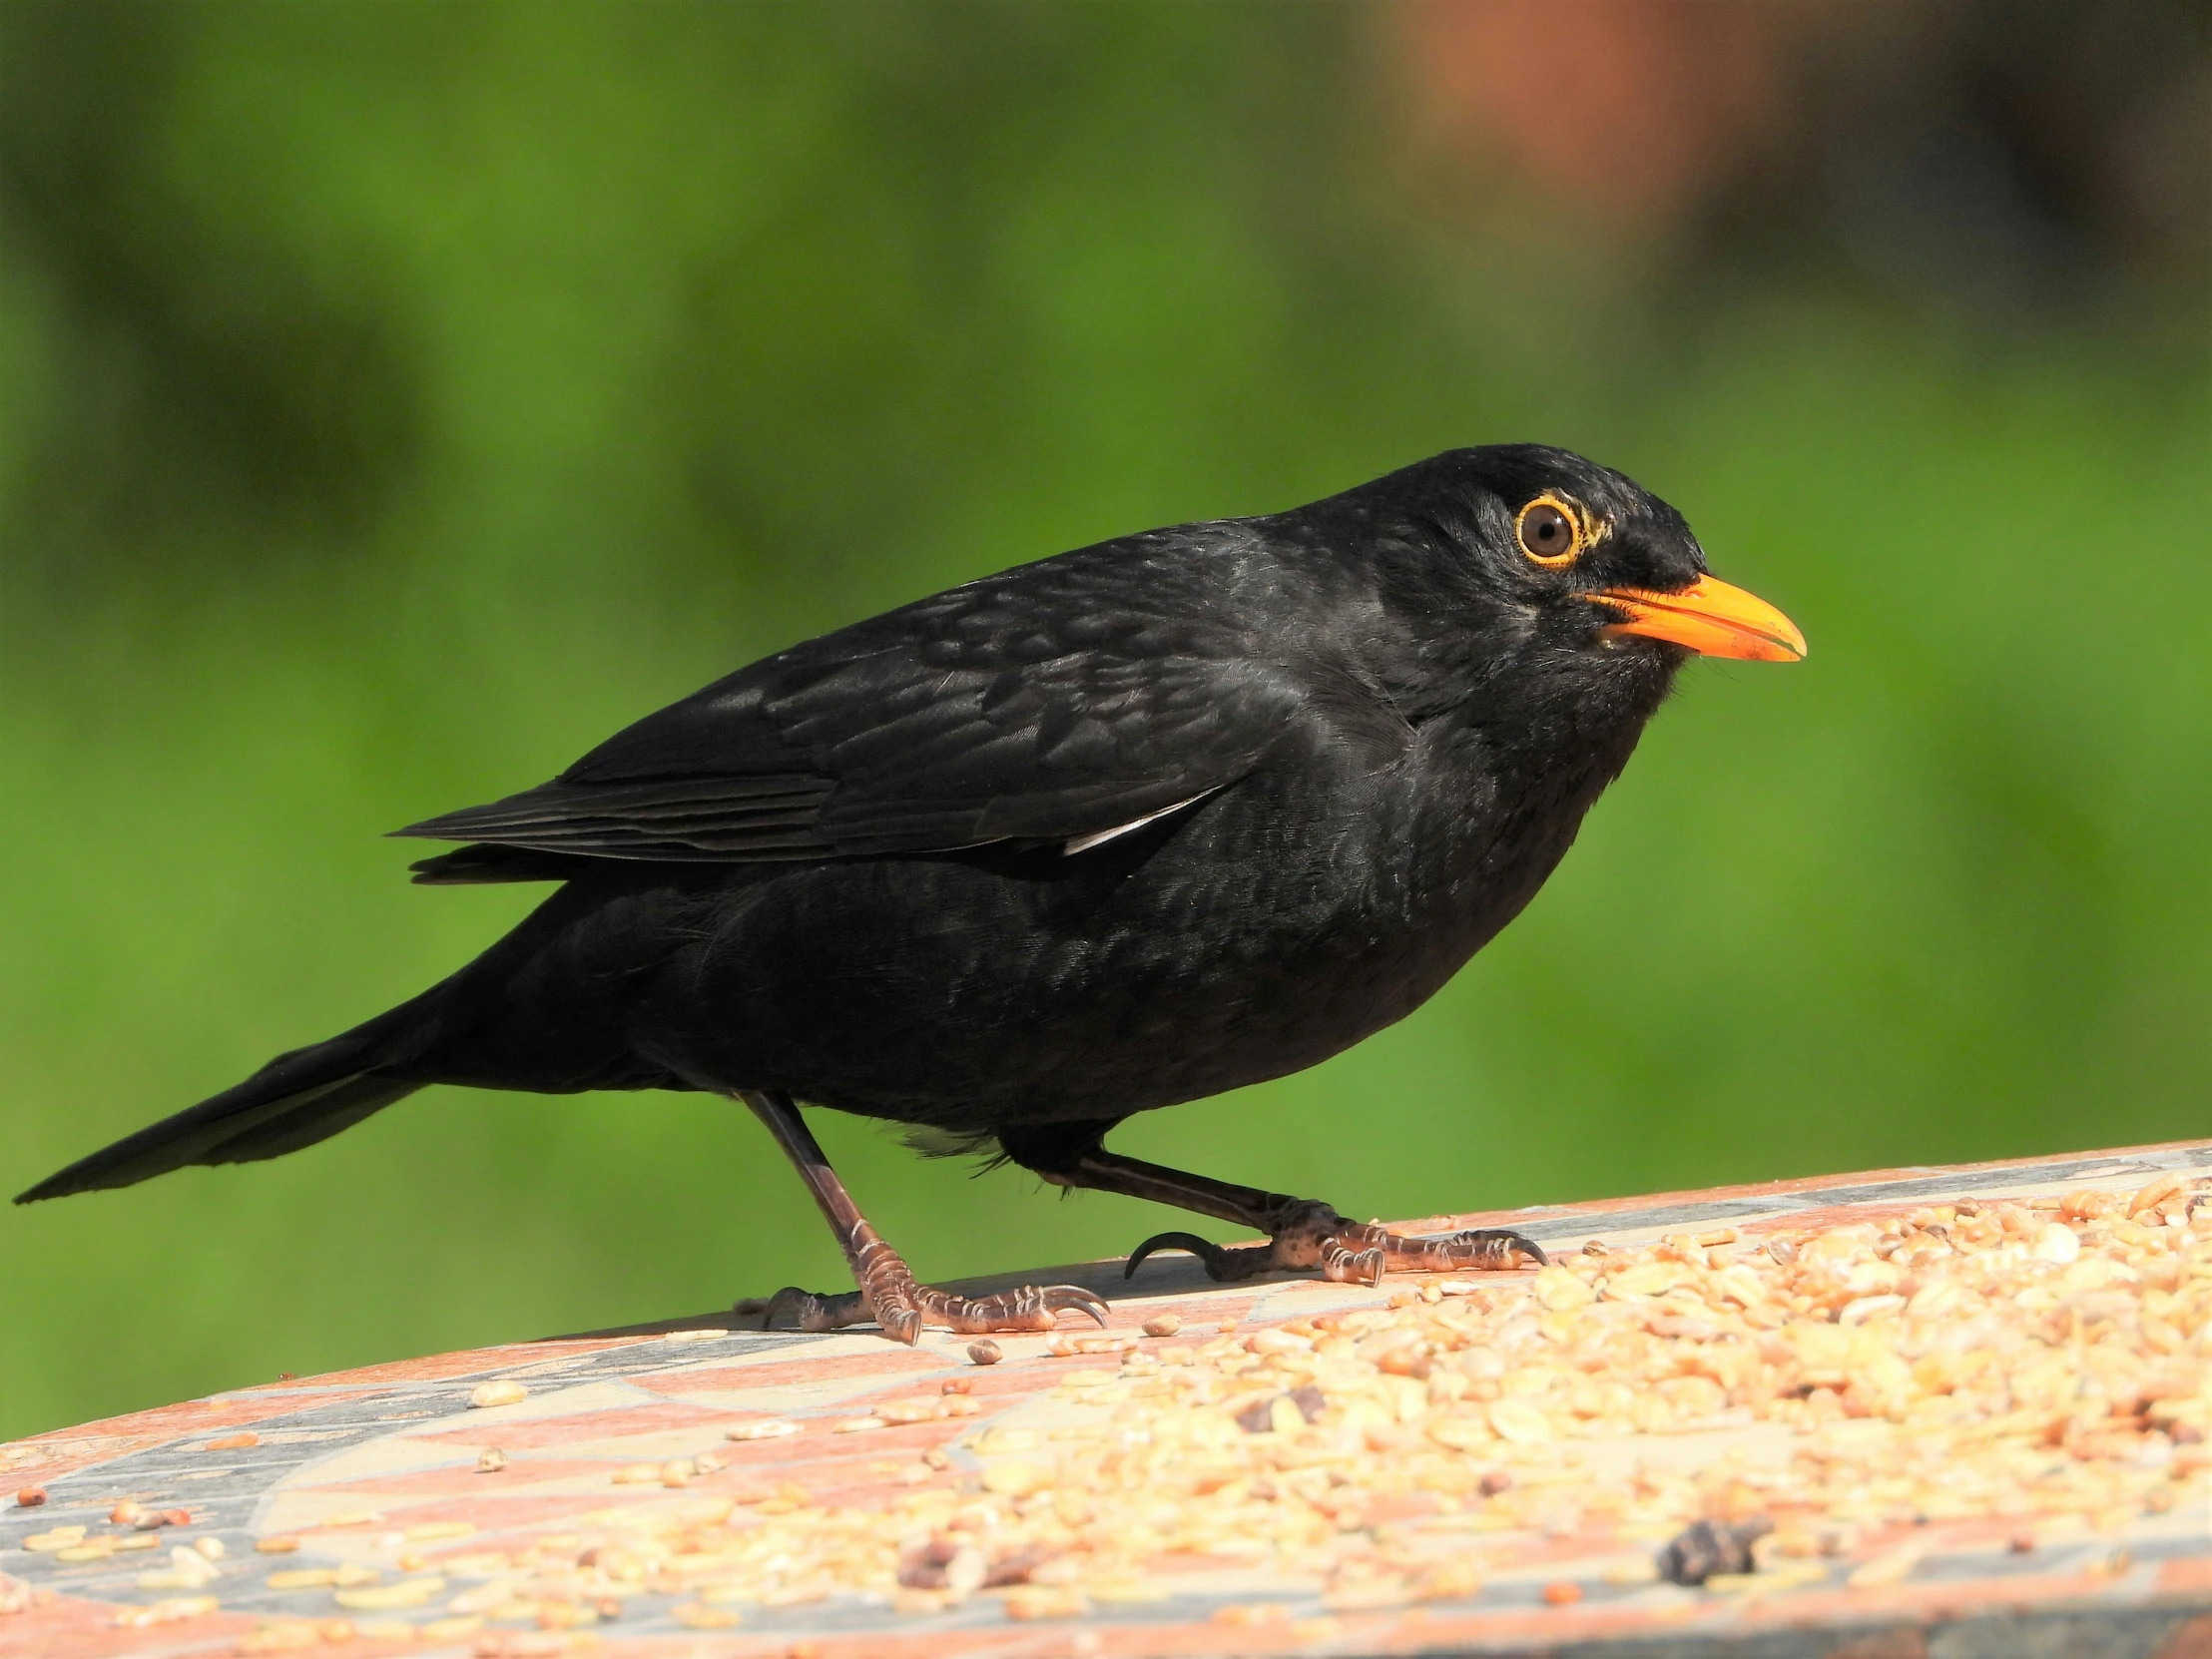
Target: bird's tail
x: 295, y: 1100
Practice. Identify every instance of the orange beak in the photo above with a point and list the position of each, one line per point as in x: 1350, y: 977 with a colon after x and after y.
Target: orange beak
x: 1710, y: 618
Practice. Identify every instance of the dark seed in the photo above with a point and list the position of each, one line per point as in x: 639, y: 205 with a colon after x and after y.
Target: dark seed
x: 1707, y: 1548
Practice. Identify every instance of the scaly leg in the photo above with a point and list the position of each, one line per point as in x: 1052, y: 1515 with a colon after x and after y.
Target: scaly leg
x: 887, y: 1293
x: 1302, y: 1231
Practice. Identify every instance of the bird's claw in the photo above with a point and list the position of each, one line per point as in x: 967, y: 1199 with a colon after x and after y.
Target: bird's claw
x: 1309, y: 1235
x: 1223, y: 1263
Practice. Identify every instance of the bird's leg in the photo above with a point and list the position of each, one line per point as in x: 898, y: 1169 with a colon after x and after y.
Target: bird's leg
x: 887, y: 1293
x: 1302, y: 1231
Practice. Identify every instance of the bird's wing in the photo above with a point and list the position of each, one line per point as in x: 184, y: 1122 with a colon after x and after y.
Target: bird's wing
x: 1061, y: 701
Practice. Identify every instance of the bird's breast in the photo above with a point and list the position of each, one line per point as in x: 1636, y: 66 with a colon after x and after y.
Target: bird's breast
x: 1267, y: 928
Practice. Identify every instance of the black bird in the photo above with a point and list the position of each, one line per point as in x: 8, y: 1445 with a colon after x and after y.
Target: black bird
x: 1120, y: 829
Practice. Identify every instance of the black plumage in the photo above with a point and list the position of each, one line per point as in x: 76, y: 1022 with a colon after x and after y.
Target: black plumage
x: 1151, y: 820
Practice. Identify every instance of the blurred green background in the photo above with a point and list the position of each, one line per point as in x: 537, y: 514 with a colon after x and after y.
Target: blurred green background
x: 393, y: 401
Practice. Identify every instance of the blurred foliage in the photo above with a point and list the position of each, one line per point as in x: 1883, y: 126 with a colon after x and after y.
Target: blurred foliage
x: 396, y: 401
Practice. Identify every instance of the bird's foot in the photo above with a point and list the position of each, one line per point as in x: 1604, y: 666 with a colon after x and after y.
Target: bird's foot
x: 1309, y: 1234
x: 890, y: 1296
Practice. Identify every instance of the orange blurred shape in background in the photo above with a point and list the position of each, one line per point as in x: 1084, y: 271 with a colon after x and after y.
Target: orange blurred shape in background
x: 1634, y: 109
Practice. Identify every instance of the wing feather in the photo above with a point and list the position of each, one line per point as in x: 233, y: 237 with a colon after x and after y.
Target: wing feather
x: 1059, y: 700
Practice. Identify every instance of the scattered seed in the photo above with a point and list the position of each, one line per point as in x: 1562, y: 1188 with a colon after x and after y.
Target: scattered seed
x: 985, y: 1351
x: 384, y: 1598
x: 498, y: 1392
x: 490, y: 1461
x: 303, y: 1578
x: 1162, y: 1325
x: 1015, y: 1477
x: 173, y: 1612
x: 1520, y: 1422
x: 350, y: 1517
x: 697, y: 1615
x: 1709, y: 1548
x: 1249, y: 1614
x: 1890, y: 1567
x: 286, y: 1637
x: 2058, y: 1243
x: 919, y: 1409
x: 1046, y: 1601
x: 30, y: 1497
x: 279, y: 1543
x: 1474, y: 1410
x: 1562, y: 1592
x: 1861, y: 1309
x: 763, y: 1429
x: 2156, y: 1195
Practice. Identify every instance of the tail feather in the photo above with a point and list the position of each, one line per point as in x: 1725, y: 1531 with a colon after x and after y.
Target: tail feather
x: 295, y: 1100
x: 484, y: 863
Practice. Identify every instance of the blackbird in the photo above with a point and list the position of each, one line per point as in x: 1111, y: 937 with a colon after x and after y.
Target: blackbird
x: 1117, y: 830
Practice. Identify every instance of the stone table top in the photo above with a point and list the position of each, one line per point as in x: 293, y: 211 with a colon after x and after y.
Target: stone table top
x: 613, y: 1494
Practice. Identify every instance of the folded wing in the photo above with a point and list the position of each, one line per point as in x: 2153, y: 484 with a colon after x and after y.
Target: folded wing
x: 1059, y: 700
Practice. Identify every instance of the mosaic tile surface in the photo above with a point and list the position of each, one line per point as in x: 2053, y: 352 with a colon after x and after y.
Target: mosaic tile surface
x: 400, y: 1539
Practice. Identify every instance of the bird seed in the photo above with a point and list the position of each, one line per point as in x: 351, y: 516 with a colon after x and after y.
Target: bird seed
x: 1956, y: 1363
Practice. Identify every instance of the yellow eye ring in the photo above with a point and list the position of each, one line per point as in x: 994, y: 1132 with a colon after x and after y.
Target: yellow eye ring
x: 1553, y: 531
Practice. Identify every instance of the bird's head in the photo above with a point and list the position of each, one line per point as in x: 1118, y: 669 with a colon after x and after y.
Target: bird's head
x: 1539, y: 563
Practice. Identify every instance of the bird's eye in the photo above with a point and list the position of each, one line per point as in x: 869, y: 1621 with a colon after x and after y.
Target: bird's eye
x: 1550, y: 532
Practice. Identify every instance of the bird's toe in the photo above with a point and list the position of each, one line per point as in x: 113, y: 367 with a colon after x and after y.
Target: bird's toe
x: 1026, y: 1308
x: 810, y: 1311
